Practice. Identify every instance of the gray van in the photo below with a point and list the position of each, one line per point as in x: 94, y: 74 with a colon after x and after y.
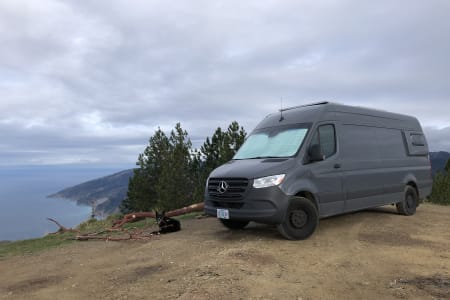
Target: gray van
x: 317, y: 160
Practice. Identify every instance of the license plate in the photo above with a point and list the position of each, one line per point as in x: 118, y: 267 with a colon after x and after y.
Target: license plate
x: 223, y: 213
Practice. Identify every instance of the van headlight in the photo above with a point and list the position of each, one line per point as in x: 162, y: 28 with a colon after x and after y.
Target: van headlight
x: 268, y: 181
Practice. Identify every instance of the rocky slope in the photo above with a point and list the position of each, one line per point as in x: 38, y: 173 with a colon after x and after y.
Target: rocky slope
x: 107, y: 192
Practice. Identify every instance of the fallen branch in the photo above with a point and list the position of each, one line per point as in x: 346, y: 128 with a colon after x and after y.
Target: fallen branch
x: 103, y: 238
x: 133, y: 217
x: 61, y: 227
x: 136, y: 234
x: 186, y: 210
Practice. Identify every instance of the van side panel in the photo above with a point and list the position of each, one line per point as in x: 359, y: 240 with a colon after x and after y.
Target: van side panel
x: 395, y: 165
x: 360, y: 166
x: 378, y: 161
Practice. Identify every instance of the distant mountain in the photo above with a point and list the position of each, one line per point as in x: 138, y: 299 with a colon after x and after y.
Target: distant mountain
x: 107, y: 192
x: 438, y: 161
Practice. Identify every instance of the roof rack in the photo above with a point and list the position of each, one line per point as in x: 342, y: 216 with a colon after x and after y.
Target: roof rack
x: 311, y: 104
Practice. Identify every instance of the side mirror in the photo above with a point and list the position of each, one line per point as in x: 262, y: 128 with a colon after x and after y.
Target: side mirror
x: 315, y: 153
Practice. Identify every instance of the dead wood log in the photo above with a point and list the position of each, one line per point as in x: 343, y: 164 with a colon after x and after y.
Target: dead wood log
x: 186, y: 210
x: 133, y: 217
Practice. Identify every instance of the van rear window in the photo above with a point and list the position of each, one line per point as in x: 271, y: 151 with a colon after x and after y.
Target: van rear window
x: 417, y: 140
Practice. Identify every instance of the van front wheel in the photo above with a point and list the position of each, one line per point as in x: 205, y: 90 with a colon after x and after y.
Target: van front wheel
x: 409, y: 203
x: 301, y: 219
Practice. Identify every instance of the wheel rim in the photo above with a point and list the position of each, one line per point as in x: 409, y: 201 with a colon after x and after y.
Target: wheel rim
x: 298, y: 218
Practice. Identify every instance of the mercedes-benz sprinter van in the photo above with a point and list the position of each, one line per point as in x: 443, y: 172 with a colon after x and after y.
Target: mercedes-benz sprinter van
x: 304, y: 163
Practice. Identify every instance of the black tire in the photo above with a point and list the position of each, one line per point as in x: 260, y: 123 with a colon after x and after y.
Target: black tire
x: 409, y: 203
x: 234, y: 224
x: 301, y: 219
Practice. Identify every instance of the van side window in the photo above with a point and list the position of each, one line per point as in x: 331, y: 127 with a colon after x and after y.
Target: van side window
x: 325, y: 136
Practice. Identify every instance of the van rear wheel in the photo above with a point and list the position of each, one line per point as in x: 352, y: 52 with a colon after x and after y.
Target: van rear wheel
x: 234, y: 224
x: 301, y: 219
x: 409, y: 203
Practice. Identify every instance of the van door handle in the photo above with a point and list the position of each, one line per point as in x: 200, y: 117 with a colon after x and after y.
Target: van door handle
x: 337, y: 166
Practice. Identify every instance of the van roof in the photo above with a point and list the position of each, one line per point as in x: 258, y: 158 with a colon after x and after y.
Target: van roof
x: 326, y: 110
x: 305, y: 105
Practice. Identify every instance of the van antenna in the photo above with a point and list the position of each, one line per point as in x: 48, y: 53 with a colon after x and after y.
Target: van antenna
x: 281, y: 110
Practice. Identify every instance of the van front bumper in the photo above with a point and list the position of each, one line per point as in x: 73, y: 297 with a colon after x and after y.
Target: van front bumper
x: 264, y: 205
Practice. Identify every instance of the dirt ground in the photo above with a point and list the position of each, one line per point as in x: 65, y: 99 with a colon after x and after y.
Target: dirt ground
x: 374, y: 254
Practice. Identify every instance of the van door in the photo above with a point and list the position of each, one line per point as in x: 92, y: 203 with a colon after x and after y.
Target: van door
x: 326, y: 174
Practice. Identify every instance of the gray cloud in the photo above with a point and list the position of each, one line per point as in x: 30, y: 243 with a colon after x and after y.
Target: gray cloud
x: 91, y: 81
x: 439, y: 139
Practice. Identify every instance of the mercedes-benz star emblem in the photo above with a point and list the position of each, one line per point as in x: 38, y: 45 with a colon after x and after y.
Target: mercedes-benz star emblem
x: 223, y: 187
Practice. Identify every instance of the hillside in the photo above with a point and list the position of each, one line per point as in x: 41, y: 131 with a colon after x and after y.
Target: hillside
x: 108, y: 192
x: 438, y: 161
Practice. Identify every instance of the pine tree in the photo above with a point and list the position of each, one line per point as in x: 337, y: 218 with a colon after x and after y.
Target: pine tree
x: 222, y: 146
x: 216, y: 151
x: 197, y: 171
x: 440, y: 193
x: 142, y: 195
x: 212, y: 150
x: 234, y: 138
x: 175, y: 185
x: 171, y: 175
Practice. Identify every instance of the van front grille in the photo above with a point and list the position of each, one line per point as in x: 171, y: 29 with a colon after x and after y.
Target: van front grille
x: 227, y: 189
x: 223, y: 204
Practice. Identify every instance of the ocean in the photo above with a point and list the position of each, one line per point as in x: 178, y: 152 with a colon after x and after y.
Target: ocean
x: 24, y: 205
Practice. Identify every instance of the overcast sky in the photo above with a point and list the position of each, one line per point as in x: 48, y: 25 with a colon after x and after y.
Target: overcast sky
x: 90, y: 81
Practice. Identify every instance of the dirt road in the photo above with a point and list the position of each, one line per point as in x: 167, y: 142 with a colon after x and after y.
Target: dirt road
x: 373, y: 254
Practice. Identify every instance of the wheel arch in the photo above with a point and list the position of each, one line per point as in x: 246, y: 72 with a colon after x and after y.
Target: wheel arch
x: 414, y: 185
x: 309, y: 195
x: 411, y: 180
x: 305, y: 188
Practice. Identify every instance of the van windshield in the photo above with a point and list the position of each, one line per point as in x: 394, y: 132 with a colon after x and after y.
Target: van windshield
x: 273, y: 142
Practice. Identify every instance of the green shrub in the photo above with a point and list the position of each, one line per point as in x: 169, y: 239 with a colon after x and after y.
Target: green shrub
x: 440, y: 193
x: 34, y: 245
